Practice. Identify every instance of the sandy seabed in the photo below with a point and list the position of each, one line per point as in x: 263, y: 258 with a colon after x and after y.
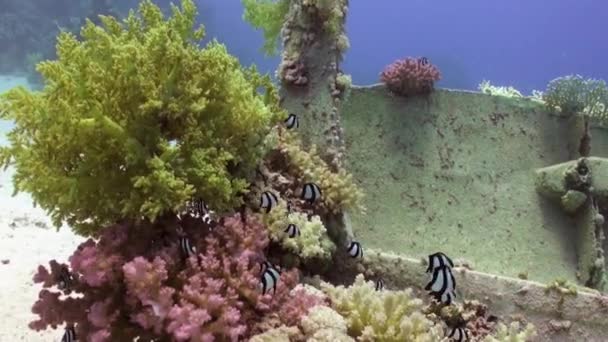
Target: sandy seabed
x: 27, y: 239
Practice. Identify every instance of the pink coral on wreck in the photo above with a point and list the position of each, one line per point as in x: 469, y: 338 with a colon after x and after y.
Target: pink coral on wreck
x: 410, y: 76
x: 135, y: 284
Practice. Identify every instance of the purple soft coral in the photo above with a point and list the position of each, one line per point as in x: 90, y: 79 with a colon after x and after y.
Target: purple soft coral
x: 410, y: 76
x: 137, y: 273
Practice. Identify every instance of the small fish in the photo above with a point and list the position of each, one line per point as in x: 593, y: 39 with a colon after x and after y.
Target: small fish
x: 445, y: 298
x: 459, y: 334
x: 186, y: 247
x: 443, y: 285
x: 311, y: 192
x: 268, y: 200
x: 197, y: 208
x: 270, y: 278
x: 292, y: 230
x: 355, y: 250
x: 437, y: 260
x: 289, y: 207
x: 292, y: 121
x: 379, y: 284
x: 69, y: 335
x: 65, y: 279
x: 264, y: 265
x: 423, y: 61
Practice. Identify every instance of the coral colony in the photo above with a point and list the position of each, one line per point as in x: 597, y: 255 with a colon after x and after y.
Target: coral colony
x: 410, y: 76
x: 177, y: 130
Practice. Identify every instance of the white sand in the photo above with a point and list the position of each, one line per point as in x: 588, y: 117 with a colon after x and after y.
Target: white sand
x: 27, y: 239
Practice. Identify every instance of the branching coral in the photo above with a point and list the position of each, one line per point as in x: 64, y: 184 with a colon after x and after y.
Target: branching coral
x: 410, y: 76
x: 166, y: 118
x: 134, y: 284
x: 312, y: 242
x: 575, y: 95
x: 323, y: 324
x: 381, y: 316
x: 339, y: 189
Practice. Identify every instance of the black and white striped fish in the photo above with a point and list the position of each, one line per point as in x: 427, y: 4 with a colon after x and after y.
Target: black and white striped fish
x: 69, y: 335
x: 197, y: 208
x: 459, y: 334
x: 355, y: 250
x: 437, y: 260
x: 311, y: 192
x: 186, y: 246
x: 445, y: 298
x: 65, y: 279
x: 270, y: 277
x: 292, y: 230
x: 423, y: 61
x: 292, y: 121
x: 379, y: 284
x: 443, y: 285
x: 268, y: 200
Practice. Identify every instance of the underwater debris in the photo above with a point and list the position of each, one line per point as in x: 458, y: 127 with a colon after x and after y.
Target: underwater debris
x: 410, y: 77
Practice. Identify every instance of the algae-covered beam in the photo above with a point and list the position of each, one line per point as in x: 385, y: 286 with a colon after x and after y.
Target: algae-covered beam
x: 581, y: 188
x: 312, y: 84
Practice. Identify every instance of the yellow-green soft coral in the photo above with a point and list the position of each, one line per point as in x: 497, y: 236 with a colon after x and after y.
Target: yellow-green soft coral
x: 382, y: 315
x: 313, y: 241
x: 269, y: 16
x: 339, y: 192
x: 134, y: 119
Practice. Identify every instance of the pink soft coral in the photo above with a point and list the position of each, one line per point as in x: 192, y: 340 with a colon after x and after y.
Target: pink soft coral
x: 410, y: 76
x: 299, y: 304
x: 135, y: 283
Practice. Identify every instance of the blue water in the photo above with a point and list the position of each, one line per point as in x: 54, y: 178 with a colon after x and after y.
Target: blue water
x: 523, y: 43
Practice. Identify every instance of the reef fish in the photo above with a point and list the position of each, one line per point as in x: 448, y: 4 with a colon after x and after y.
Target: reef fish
x: 459, y: 334
x: 379, y: 285
x: 292, y: 230
x: 197, y: 208
x: 311, y: 192
x: 65, y: 279
x: 268, y: 200
x: 289, y: 207
x: 442, y: 286
x: 186, y: 247
x: 437, y: 260
x: 355, y: 250
x: 270, y: 277
x: 292, y: 121
x: 69, y: 335
x: 423, y: 61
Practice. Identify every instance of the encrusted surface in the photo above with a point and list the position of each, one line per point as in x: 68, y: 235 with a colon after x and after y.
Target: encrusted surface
x: 454, y: 172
